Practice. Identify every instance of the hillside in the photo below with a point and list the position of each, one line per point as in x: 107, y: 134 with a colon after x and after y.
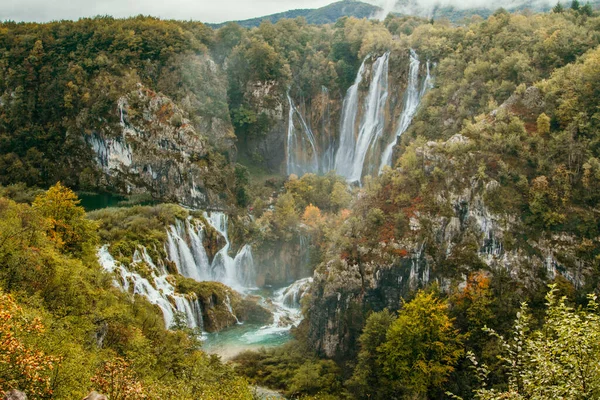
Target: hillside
x: 361, y: 210
x: 324, y: 15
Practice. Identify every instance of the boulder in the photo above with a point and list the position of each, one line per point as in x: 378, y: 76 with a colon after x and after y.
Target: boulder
x: 15, y: 395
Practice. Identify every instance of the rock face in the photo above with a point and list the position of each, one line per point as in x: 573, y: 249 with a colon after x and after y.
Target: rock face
x: 443, y: 247
x: 281, y: 263
x: 157, y: 151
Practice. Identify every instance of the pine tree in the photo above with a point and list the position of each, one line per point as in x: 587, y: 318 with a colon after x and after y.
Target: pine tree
x: 558, y: 8
x: 587, y: 10
x: 575, y: 5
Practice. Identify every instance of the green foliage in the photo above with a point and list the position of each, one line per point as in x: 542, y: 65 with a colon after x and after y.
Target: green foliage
x: 69, y: 226
x: 95, y: 334
x: 409, y: 356
x: 61, y: 79
x: 558, y: 360
x: 291, y: 368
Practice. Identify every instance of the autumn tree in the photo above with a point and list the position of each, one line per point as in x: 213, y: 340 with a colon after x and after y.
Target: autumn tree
x: 312, y: 216
x: 22, y: 366
x: 69, y: 228
x: 422, y: 347
x: 116, y: 379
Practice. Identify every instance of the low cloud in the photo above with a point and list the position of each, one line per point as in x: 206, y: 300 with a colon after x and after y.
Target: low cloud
x: 426, y: 7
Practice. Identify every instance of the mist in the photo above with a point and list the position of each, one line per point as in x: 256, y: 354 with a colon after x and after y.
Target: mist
x: 426, y: 7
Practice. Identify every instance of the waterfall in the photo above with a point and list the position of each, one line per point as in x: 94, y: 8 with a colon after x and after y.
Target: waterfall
x: 191, y: 261
x: 160, y: 293
x: 238, y: 273
x: 227, y: 303
x: 291, y: 295
x: 286, y: 311
x: 355, y: 149
x: 345, y: 154
x: 185, y: 249
x: 302, y: 156
x: 412, y: 100
x: 374, y: 118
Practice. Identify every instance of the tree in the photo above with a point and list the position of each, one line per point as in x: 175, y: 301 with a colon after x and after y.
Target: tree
x: 116, y: 379
x: 558, y: 8
x: 543, y: 124
x: 69, y: 227
x: 365, y: 381
x: 22, y: 366
x: 421, y: 348
x: 587, y: 10
x: 559, y: 360
x: 575, y: 5
x: 312, y: 216
x: 286, y: 217
x: 340, y: 198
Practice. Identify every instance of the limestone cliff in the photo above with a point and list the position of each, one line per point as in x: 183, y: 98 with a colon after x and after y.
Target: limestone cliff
x: 157, y: 151
x: 460, y: 232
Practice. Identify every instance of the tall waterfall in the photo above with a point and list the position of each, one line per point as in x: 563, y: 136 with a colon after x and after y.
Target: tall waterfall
x: 345, y: 154
x: 160, y: 292
x: 412, y: 100
x: 354, y: 150
x: 302, y: 155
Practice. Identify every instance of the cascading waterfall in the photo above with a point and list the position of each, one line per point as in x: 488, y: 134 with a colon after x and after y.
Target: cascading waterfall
x: 159, y: 294
x: 291, y: 295
x: 302, y: 156
x: 286, y: 312
x: 345, y: 154
x: 239, y: 272
x: 354, y: 150
x: 186, y: 250
x: 227, y: 303
x: 412, y: 100
x: 191, y: 262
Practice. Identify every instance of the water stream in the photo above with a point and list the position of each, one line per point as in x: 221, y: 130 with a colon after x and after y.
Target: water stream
x: 185, y: 249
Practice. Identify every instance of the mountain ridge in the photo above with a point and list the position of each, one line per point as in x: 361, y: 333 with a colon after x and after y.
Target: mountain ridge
x: 318, y: 16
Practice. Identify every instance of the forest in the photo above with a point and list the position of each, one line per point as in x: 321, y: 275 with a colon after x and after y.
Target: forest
x: 254, y: 242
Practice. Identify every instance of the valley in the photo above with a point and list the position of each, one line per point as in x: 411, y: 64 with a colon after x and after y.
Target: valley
x: 348, y: 207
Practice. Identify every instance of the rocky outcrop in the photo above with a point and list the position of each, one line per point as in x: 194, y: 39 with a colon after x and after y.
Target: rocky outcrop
x: 95, y: 396
x: 282, y: 262
x: 15, y: 395
x: 157, y: 152
x: 442, y: 247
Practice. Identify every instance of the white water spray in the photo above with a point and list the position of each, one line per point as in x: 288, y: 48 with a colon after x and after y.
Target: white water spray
x: 354, y: 148
x: 160, y: 293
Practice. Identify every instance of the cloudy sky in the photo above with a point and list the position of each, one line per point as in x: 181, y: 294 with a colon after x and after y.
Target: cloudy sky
x: 201, y: 10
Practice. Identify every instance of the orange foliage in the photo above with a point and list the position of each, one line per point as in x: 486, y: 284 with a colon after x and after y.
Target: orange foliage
x: 477, y: 284
x: 116, y: 380
x: 22, y: 366
x: 312, y: 216
x: 345, y: 214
